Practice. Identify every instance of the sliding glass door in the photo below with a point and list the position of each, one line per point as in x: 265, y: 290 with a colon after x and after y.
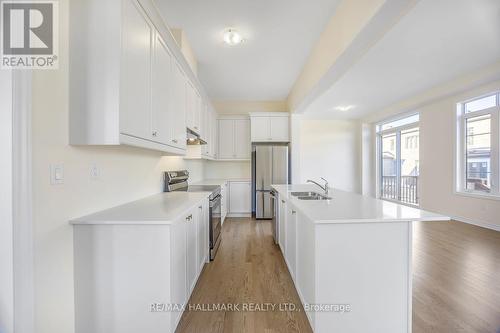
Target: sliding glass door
x: 399, y: 160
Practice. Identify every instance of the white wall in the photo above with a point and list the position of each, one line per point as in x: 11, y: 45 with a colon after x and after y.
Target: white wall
x: 330, y: 149
x: 437, y: 142
x: 437, y: 139
x: 226, y: 170
x: 6, y: 241
x: 126, y: 174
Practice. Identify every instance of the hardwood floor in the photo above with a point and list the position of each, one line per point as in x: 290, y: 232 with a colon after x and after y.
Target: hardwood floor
x: 248, y: 268
x: 456, y: 286
x: 456, y: 278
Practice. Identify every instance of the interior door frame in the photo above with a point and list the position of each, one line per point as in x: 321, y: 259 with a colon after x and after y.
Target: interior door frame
x: 20, y: 263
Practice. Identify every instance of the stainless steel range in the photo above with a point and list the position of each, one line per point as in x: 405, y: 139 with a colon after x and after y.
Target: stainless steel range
x: 178, y: 181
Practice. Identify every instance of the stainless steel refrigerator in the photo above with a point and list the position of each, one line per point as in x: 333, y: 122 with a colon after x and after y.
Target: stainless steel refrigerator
x: 270, y: 165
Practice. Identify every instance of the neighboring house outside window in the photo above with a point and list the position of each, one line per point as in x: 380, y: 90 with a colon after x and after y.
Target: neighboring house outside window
x: 478, y: 146
x: 398, y: 156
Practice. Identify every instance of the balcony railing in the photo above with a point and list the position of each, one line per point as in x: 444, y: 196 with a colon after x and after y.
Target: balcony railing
x: 408, y: 189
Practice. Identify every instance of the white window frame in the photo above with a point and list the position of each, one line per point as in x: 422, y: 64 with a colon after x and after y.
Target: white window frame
x: 397, y: 131
x: 461, y: 148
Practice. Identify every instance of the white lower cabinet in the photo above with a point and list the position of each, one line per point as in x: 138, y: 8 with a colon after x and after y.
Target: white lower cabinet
x: 240, y: 197
x: 125, y: 274
x: 291, y: 239
x: 192, y: 249
x: 202, y: 234
x: 224, y: 203
x: 178, y: 258
x: 282, y: 224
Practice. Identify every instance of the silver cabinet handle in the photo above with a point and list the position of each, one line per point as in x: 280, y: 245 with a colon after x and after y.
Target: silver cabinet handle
x: 294, y: 212
x: 200, y: 207
x: 282, y: 201
x: 189, y: 218
x: 174, y: 141
x: 155, y: 133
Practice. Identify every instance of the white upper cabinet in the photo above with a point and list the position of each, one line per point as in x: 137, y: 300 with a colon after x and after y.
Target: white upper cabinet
x: 260, y: 128
x: 135, y: 101
x: 234, y: 139
x: 279, y: 129
x: 270, y: 127
x: 178, y: 107
x: 214, y: 135
x: 190, y: 105
x: 242, y: 138
x: 129, y: 82
x: 161, y: 97
x: 226, y: 139
x: 198, y: 106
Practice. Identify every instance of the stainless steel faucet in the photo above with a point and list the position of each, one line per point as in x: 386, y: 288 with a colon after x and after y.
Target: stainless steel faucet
x: 324, y: 188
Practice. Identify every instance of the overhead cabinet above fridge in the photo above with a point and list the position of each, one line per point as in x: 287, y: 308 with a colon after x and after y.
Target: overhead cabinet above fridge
x: 270, y: 127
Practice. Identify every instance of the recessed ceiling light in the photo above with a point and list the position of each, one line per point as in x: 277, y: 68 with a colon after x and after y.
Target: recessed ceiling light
x: 344, y: 108
x: 232, y: 37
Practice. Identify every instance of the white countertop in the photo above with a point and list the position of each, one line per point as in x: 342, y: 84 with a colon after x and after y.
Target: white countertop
x: 348, y: 207
x: 220, y: 181
x: 162, y: 208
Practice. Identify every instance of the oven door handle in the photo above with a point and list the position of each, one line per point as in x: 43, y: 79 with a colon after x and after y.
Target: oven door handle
x: 215, y: 201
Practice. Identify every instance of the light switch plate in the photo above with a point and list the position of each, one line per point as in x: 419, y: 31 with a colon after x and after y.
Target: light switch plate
x: 56, y: 174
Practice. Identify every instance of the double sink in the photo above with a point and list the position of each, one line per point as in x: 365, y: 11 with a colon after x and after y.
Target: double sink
x: 309, y: 196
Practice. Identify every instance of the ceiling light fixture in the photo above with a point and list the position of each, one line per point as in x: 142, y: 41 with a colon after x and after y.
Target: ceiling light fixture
x: 344, y: 108
x: 232, y: 37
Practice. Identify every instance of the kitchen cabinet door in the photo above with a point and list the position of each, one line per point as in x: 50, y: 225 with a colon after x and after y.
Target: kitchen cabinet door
x: 240, y: 201
x: 215, y: 135
x: 206, y: 132
x: 192, y: 250
x: 162, y: 85
x: 226, y: 139
x: 202, y: 235
x: 282, y: 225
x: 190, y: 105
x: 197, y: 112
x: 242, y: 138
x: 279, y: 129
x: 260, y: 129
x: 135, y: 95
x: 224, y: 201
x: 179, y: 287
x: 291, y: 240
x: 178, y: 109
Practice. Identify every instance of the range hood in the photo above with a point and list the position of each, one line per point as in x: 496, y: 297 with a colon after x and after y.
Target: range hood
x: 193, y: 138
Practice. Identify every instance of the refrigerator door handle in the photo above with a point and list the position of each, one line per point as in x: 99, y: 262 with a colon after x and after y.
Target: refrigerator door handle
x: 263, y: 204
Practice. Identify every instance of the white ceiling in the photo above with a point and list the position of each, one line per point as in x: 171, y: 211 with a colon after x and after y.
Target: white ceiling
x: 279, y: 37
x: 435, y: 42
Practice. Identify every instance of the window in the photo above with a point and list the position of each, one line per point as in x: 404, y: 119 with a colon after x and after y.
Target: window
x: 398, y: 159
x: 478, y: 145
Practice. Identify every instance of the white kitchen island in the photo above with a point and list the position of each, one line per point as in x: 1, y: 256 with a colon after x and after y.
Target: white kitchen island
x: 350, y: 259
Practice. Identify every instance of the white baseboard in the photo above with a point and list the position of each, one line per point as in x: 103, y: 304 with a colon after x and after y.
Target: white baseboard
x: 478, y: 223
x: 239, y: 215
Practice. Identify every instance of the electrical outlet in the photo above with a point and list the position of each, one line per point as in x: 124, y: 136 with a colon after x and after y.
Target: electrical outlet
x: 95, y: 173
x: 56, y: 174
